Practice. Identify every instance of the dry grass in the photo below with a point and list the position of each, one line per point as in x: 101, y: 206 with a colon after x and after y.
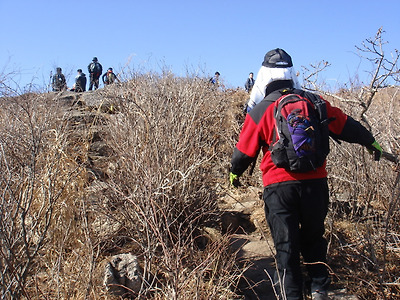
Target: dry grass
x: 39, y: 180
x: 152, y: 186
x: 365, y: 216
x: 168, y: 141
x: 65, y: 209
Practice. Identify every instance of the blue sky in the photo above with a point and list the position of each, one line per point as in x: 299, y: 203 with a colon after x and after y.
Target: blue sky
x: 231, y: 37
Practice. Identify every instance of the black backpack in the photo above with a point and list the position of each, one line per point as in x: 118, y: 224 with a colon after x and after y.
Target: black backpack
x: 302, y: 134
x: 95, y: 68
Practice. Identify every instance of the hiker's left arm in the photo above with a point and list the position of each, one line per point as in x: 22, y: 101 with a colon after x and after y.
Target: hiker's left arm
x: 345, y: 128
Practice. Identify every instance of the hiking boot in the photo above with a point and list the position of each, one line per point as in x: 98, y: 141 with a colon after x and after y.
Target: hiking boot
x: 319, y: 295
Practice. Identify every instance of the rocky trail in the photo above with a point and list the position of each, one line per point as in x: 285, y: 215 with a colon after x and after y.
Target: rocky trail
x: 244, y: 215
x: 243, y: 211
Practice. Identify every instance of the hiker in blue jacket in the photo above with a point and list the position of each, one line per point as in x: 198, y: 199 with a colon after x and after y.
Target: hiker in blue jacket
x: 215, y: 78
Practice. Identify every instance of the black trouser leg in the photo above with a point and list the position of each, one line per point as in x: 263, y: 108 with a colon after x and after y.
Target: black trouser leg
x: 295, y: 213
x: 315, y: 201
x: 91, y: 82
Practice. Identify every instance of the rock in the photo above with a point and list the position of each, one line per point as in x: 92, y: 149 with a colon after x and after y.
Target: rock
x: 342, y: 294
x: 236, y: 222
x: 67, y: 98
x: 123, y: 275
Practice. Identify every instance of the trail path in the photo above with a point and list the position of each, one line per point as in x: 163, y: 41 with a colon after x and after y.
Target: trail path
x: 244, y: 215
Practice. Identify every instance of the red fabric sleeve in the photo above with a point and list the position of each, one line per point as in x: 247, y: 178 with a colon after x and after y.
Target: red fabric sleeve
x: 338, y: 116
x: 248, y: 140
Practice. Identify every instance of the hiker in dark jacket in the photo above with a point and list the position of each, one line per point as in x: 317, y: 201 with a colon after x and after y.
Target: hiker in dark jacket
x: 95, y: 69
x: 58, y: 81
x: 109, y: 77
x: 249, y: 83
x: 80, y: 82
x: 296, y: 203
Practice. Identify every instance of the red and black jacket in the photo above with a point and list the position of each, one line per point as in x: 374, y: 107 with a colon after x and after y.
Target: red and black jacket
x: 258, y: 133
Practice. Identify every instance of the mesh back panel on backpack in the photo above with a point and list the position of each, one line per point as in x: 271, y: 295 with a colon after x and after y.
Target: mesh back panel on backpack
x: 302, y: 133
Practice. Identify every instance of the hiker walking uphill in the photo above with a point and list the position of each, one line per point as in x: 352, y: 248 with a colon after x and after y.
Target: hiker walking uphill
x: 291, y: 127
x: 109, y: 77
x: 95, y: 69
x: 58, y: 81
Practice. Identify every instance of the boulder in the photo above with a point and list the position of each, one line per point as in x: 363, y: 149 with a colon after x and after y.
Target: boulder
x: 123, y: 275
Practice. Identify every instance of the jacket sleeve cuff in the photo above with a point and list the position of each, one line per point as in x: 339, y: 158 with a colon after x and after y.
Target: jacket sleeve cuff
x: 240, y: 162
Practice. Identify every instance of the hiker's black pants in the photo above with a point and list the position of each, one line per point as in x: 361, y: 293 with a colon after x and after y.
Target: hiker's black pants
x: 94, y: 80
x: 295, y: 212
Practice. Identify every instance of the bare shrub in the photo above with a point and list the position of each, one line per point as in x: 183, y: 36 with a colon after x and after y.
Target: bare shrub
x: 365, y: 215
x: 168, y: 138
x: 36, y: 183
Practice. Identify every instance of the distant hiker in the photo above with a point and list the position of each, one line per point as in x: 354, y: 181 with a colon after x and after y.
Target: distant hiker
x: 296, y: 194
x: 95, y: 69
x: 109, y: 77
x: 215, y: 78
x: 58, y: 81
x: 80, y: 82
x: 249, y: 83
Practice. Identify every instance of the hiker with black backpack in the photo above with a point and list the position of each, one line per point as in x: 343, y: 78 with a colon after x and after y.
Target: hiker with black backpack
x: 95, y: 69
x: 292, y: 128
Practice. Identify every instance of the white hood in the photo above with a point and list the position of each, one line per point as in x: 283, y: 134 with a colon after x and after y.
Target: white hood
x: 264, y: 77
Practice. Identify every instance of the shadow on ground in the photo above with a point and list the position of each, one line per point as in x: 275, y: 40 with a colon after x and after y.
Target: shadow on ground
x: 253, y: 255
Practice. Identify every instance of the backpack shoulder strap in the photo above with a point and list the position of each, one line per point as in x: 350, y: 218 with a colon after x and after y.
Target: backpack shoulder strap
x: 320, y: 107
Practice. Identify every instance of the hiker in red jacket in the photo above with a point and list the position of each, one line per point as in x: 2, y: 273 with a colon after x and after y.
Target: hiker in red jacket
x: 296, y: 202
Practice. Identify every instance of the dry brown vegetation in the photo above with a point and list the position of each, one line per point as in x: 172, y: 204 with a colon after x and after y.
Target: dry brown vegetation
x: 364, y: 221
x: 148, y: 188
x: 142, y: 171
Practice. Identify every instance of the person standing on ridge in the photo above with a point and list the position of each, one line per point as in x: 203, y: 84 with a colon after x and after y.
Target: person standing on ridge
x: 58, y: 81
x: 95, y: 69
x: 109, y: 77
x: 296, y: 200
x: 249, y: 83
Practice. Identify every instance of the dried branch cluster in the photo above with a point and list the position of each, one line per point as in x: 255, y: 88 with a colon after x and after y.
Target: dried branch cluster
x: 154, y: 189
x: 365, y: 216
